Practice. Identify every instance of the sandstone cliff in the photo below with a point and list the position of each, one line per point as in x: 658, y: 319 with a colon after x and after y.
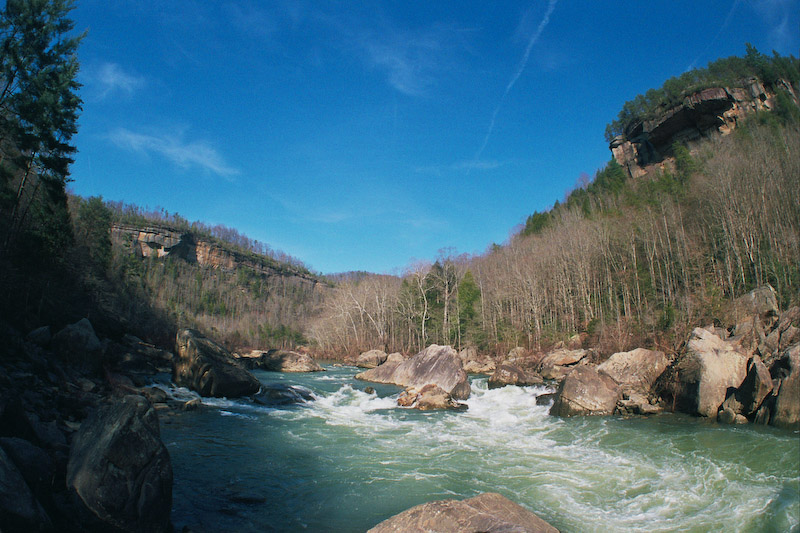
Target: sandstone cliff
x: 162, y: 241
x: 647, y: 144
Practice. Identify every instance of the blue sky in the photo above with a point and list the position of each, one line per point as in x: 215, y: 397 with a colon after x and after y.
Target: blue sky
x: 362, y: 136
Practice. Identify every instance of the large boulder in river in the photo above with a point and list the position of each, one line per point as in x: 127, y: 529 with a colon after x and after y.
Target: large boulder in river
x: 206, y: 367
x: 489, y: 512
x: 513, y: 375
x: 288, y: 361
x: 585, y: 391
x: 120, y: 468
x: 786, y: 413
x: 707, y: 370
x: 371, y: 359
x: 435, y: 364
x: 635, y: 371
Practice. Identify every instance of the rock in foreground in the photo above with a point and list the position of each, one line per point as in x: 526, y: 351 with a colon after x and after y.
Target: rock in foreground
x: 439, y: 365
x: 488, y: 512
x: 206, y: 367
x: 120, y: 468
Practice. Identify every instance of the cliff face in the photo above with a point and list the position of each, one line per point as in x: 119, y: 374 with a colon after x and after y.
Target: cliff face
x: 157, y: 241
x: 715, y: 111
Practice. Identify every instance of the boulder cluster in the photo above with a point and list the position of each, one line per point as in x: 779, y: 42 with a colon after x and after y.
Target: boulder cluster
x: 80, y: 442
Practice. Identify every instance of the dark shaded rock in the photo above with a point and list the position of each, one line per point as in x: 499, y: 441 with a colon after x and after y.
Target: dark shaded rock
x: 635, y: 371
x: 208, y: 368
x: 487, y: 512
x: 786, y: 413
x: 371, y: 359
x: 708, y: 368
x: 155, y: 394
x: 636, y: 404
x: 34, y: 464
x: 546, y: 398
x: 120, y: 468
x: 19, y: 509
x: 40, y: 336
x: 78, y: 344
x: 508, y: 374
x: 435, y: 364
x: 585, y: 391
x: 369, y: 390
x: 281, y: 394
x: 755, y: 387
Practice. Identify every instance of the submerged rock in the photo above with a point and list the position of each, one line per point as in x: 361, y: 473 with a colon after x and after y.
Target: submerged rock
x: 487, y: 512
x: 439, y: 365
x: 429, y: 397
x: 120, y: 468
x: 206, y: 367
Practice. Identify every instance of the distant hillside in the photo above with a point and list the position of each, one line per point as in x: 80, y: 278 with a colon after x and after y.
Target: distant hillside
x: 211, y: 278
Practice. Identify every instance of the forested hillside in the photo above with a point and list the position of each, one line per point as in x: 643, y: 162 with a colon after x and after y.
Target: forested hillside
x: 628, y: 262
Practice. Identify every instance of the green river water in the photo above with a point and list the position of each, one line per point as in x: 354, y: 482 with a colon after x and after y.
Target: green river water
x: 346, y: 460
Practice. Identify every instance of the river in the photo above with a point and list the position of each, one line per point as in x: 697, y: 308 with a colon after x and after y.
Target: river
x: 345, y: 460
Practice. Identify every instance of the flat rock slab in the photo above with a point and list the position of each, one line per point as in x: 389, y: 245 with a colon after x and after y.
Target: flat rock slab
x: 488, y: 512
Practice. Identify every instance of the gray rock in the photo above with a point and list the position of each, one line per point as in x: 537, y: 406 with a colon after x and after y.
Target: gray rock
x: 585, y: 391
x: 635, y: 371
x: 371, y: 359
x: 395, y: 357
x: 439, y: 365
x: 288, y: 361
x: 430, y: 397
x: 708, y: 368
x: 508, y: 374
x: 563, y: 357
x: 208, y: 368
x: 120, y: 468
x: 487, y: 512
x: 761, y: 301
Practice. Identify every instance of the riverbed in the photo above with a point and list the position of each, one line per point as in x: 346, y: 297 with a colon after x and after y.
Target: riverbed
x: 344, y: 460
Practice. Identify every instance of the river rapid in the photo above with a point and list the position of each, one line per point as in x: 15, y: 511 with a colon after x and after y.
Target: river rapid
x: 345, y: 460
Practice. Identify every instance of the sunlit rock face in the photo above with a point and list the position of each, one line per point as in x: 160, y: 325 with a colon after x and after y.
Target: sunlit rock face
x: 647, y: 144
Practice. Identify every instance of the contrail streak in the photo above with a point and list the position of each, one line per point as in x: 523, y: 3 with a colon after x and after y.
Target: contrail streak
x: 522, y: 64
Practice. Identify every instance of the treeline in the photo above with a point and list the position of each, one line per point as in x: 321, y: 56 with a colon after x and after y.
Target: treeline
x: 627, y: 262
x: 725, y: 72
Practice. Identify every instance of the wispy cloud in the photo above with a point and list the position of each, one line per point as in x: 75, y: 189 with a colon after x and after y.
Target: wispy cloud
x: 409, y: 63
x: 173, y: 147
x: 724, y: 25
x: 110, y: 79
x: 468, y: 164
x: 517, y: 73
x: 778, y: 15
